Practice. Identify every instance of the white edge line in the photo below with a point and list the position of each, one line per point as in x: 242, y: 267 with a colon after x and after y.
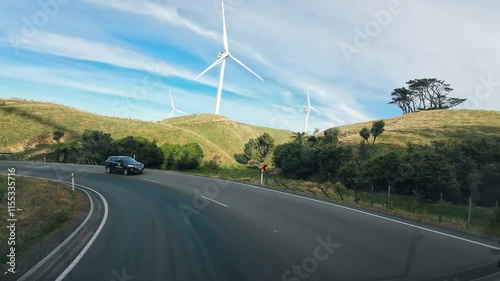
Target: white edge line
x: 376, y: 216
x: 151, y: 180
x: 82, y: 253
x: 66, y: 241
x: 342, y: 207
x: 214, y: 201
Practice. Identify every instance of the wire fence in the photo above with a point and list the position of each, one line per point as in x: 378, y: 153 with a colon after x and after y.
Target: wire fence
x: 468, y: 216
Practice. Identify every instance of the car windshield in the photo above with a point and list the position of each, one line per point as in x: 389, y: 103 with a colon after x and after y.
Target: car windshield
x: 128, y: 160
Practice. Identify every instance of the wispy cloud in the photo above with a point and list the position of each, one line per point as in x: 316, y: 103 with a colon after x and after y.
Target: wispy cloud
x: 291, y: 46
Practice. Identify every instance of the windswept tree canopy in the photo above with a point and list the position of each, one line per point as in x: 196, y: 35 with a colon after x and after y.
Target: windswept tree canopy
x: 424, y: 94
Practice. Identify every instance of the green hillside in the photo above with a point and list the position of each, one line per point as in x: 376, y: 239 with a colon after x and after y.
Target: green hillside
x: 426, y: 126
x: 24, y: 124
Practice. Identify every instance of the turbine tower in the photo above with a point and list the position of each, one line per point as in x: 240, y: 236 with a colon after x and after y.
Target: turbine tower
x: 308, y: 109
x: 172, y: 107
x: 221, y: 59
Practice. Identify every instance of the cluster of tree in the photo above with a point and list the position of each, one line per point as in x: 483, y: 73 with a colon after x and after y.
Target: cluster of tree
x: 424, y: 94
x: 182, y: 157
x: 376, y: 130
x: 257, y: 151
x: 306, y: 157
x: 454, y: 169
x: 457, y: 170
x: 95, y: 147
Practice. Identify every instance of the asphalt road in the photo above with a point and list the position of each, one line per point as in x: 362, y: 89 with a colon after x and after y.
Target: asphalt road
x: 161, y: 226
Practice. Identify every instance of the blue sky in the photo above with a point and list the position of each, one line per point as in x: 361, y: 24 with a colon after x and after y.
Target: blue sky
x: 120, y: 57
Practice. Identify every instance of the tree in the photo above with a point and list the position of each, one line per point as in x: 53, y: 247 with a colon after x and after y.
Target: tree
x: 403, y: 98
x: 265, y: 146
x: 250, y: 152
x: 331, y: 136
x: 377, y: 129
x: 365, y: 133
x: 147, y: 152
x: 183, y: 157
x: 424, y: 94
x: 70, y: 151
x: 350, y: 173
x: 58, y: 135
x: 299, y: 137
x: 316, y: 131
x: 259, y: 149
x: 295, y: 160
x: 97, y: 146
x: 330, y: 158
x: 172, y: 154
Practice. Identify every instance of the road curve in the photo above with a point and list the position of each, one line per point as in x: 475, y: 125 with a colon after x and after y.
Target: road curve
x: 170, y: 226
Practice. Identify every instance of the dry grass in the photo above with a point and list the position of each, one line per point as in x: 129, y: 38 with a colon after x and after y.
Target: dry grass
x: 27, y: 123
x: 426, y: 126
x: 45, y: 206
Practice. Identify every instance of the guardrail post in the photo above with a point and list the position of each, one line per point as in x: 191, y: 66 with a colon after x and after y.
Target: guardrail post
x: 73, y: 182
x: 440, y: 207
x: 470, y: 210
x: 261, y: 177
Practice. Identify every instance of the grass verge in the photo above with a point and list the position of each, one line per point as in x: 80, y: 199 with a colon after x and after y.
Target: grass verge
x: 45, y: 206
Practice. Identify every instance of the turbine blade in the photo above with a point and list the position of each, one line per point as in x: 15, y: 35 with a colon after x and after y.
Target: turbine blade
x: 224, y: 30
x: 219, y: 60
x: 171, y: 114
x: 246, y: 67
x: 171, y: 99
x: 308, y: 100
x: 307, y: 121
x: 180, y: 111
x: 314, y: 109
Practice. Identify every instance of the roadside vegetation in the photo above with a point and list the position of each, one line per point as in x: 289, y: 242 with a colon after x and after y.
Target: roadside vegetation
x: 44, y: 207
x: 431, y: 164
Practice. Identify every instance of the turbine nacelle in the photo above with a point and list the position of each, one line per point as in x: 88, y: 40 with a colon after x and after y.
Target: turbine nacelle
x: 223, y: 55
x: 172, y: 107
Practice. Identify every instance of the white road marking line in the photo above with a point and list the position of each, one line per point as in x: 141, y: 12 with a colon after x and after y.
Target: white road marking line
x: 79, y: 257
x: 44, y: 260
x: 151, y: 180
x: 376, y: 216
x: 224, y: 205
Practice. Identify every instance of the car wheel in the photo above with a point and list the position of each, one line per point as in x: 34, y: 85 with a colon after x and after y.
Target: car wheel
x: 108, y: 170
x: 140, y: 172
x: 125, y: 171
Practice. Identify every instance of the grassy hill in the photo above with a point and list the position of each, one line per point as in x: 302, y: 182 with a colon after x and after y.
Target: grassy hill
x: 426, y: 126
x: 24, y: 124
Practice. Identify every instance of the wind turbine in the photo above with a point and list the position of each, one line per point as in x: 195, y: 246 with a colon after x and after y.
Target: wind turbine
x: 173, y: 110
x: 308, y: 108
x: 221, y: 59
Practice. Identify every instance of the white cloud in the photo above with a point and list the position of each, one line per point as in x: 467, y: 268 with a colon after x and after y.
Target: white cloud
x: 295, y: 45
